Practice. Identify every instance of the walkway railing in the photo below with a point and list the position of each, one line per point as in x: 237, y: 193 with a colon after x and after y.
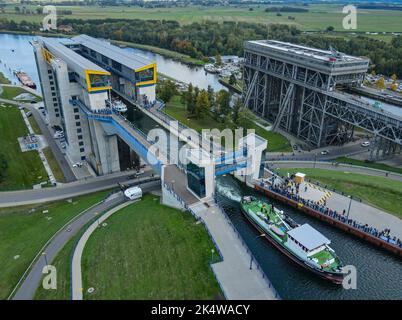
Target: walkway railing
x: 253, y: 258
x: 333, y: 214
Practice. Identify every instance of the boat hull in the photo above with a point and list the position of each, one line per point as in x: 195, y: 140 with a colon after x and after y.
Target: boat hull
x: 335, y: 278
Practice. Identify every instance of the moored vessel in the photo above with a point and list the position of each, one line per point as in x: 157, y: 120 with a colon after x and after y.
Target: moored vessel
x: 25, y: 79
x: 303, y: 244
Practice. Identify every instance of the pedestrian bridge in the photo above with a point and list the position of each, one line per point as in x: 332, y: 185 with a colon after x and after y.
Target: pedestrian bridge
x: 203, y: 170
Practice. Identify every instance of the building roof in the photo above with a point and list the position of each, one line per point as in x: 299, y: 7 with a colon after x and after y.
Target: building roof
x: 117, y: 54
x: 75, y: 61
x: 314, y: 53
x: 308, y: 236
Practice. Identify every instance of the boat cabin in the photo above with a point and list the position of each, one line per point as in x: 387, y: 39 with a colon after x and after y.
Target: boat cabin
x: 306, y: 241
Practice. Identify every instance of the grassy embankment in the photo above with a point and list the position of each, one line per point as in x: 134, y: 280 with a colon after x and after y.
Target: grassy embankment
x: 150, y: 251
x: 174, y: 108
x: 24, y: 168
x: 23, y: 233
x: 380, y: 192
x: 374, y: 165
x: 3, y: 79
x: 10, y: 93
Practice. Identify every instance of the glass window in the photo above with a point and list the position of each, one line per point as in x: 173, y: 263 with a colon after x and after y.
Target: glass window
x: 98, y: 80
x: 145, y: 75
x: 196, y: 179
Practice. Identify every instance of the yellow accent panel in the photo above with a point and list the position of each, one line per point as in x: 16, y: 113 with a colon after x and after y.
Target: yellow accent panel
x: 149, y: 66
x: 47, y: 55
x: 89, y: 72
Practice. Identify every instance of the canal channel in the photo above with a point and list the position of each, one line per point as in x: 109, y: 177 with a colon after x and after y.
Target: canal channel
x: 379, y: 274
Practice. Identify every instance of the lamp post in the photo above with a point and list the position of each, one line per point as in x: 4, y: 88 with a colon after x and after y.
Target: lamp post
x: 44, y: 255
x: 350, y: 203
x: 251, y: 256
x: 315, y: 159
x: 212, y: 255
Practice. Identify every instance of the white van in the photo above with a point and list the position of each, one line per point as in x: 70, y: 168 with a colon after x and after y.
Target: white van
x: 133, y: 193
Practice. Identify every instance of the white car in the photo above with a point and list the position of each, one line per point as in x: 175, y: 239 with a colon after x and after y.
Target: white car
x: 324, y: 152
x: 77, y: 165
x: 365, y: 144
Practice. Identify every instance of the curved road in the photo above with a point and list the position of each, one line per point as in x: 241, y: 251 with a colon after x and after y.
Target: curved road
x: 26, y: 290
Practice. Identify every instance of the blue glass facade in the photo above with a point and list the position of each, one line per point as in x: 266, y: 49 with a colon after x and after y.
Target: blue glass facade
x: 196, y: 179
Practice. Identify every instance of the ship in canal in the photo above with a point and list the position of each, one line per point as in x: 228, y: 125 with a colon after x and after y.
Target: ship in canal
x: 25, y: 79
x: 302, y: 244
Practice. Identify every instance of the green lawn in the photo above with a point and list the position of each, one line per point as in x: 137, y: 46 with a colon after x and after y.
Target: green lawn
x: 24, y: 233
x: 10, y: 93
x: 3, y: 79
x: 149, y: 251
x: 381, y: 192
x: 319, y: 17
x: 58, y: 174
x: 24, y: 168
x: 63, y: 267
x: 174, y: 108
x: 374, y: 165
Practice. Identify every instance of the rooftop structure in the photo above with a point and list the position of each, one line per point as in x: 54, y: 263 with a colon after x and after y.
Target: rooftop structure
x: 308, y: 237
x: 329, y: 61
x: 131, y: 61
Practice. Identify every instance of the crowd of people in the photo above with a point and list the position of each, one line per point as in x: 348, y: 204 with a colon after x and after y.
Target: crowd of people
x: 290, y: 190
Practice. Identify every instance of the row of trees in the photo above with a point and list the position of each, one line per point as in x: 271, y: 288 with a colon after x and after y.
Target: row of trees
x: 203, y: 103
x: 204, y: 39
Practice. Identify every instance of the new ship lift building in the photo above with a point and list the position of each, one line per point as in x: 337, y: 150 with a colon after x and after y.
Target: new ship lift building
x: 78, y: 77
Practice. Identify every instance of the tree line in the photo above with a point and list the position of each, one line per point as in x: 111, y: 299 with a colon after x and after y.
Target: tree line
x: 206, y: 103
x: 204, y: 39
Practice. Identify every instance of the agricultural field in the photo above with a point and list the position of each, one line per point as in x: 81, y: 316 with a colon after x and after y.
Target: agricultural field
x: 319, y: 17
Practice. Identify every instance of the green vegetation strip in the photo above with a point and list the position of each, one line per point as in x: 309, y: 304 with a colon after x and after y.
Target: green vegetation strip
x: 150, y: 251
x: 3, y: 79
x: 58, y: 174
x: 23, y: 232
x: 175, y: 109
x: 24, y: 169
x: 374, y: 165
x: 378, y: 191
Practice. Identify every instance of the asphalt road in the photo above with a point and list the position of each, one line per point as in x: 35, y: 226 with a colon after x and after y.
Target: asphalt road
x: 72, y: 189
x: 334, y: 152
x: 26, y: 290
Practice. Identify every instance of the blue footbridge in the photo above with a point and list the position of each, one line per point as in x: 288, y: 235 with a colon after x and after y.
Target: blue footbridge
x: 115, y: 123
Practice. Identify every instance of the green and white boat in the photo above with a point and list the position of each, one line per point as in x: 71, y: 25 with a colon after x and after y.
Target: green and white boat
x: 301, y: 243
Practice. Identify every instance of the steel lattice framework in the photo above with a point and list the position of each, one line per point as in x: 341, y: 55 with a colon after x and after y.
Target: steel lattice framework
x: 296, y: 89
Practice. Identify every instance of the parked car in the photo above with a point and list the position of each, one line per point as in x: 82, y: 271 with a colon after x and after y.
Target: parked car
x: 324, y: 152
x: 365, y: 144
x: 77, y: 165
x: 29, y: 113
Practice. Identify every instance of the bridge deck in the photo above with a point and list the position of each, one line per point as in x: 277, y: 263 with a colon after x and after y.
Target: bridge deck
x: 176, y: 179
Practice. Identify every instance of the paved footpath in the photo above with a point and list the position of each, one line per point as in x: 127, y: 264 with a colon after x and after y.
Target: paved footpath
x: 237, y: 281
x: 76, y: 272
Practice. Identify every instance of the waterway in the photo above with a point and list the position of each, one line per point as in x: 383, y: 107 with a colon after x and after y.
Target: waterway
x: 379, y: 274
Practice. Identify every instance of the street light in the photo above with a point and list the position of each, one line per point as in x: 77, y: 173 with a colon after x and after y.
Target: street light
x: 315, y: 159
x: 44, y: 254
x: 251, y: 256
x: 350, y: 203
x: 212, y: 255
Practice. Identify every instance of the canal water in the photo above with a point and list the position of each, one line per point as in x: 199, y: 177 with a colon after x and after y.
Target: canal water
x: 379, y: 274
